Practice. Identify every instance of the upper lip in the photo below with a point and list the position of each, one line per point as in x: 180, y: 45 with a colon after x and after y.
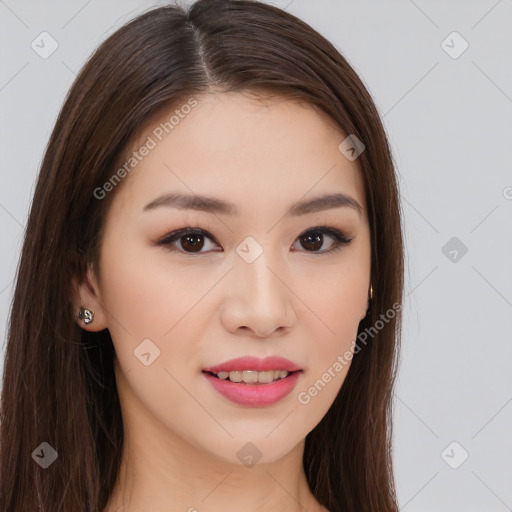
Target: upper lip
x: 255, y: 364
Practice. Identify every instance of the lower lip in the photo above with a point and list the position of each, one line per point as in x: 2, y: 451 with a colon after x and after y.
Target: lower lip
x: 254, y: 395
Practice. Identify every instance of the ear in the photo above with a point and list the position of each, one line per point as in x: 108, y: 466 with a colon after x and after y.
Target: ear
x: 87, y: 294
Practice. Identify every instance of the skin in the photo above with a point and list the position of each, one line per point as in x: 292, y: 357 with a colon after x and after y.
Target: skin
x: 181, y: 436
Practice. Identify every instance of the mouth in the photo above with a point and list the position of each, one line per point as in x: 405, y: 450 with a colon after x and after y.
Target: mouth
x: 252, y: 377
x: 251, y: 388
x: 252, y: 381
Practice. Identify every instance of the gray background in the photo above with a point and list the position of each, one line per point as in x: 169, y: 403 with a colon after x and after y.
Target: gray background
x: 449, y: 123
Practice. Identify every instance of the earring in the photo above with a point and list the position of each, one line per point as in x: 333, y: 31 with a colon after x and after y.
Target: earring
x: 371, y: 292
x: 86, y: 315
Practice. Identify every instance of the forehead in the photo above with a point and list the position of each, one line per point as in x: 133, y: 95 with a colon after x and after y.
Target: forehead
x: 244, y: 148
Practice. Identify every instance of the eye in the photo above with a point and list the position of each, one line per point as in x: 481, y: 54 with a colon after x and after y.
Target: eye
x: 192, y: 240
x: 313, y: 239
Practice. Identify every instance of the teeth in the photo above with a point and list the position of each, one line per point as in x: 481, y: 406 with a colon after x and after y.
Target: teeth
x: 253, y: 377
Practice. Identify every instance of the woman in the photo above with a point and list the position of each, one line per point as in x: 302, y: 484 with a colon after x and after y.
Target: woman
x: 207, y: 307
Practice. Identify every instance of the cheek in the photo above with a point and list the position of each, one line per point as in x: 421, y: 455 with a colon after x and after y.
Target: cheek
x: 153, y: 321
x: 334, y: 309
x: 337, y: 299
x: 148, y: 296
x: 156, y: 300
x: 343, y: 308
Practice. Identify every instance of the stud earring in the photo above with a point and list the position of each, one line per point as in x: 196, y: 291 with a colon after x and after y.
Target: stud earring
x: 86, y: 315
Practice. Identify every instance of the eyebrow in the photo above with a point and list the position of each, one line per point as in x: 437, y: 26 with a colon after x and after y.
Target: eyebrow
x: 218, y: 206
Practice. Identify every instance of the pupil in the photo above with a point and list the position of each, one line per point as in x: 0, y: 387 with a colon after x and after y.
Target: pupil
x: 192, y: 241
x: 315, y: 240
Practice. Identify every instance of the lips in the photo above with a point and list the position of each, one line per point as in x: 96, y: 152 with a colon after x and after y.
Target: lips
x: 253, y: 394
x: 254, y: 364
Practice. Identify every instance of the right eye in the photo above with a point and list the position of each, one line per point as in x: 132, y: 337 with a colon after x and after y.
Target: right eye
x: 190, y: 239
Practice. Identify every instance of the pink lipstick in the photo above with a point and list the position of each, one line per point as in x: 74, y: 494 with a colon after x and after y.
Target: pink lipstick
x: 252, y: 381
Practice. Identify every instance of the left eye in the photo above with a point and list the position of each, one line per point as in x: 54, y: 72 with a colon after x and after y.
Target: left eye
x: 192, y: 239
x: 314, y: 238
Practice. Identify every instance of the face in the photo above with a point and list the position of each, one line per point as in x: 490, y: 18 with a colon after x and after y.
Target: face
x: 260, y: 277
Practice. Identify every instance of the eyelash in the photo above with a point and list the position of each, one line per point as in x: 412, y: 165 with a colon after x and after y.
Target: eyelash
x: 340, y: 239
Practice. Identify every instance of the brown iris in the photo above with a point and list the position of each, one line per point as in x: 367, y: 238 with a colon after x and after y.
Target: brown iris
x: 316, y: 240
x: 192, y: 242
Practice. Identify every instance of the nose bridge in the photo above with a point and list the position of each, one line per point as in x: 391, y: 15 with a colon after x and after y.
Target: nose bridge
x: 259, y: 298
x: 261, y: 284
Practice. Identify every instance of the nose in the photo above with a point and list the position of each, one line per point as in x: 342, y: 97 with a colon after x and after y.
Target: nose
x: 258, y: 299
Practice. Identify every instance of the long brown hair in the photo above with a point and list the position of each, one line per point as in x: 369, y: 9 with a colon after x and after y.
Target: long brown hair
x: 59, y: 385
